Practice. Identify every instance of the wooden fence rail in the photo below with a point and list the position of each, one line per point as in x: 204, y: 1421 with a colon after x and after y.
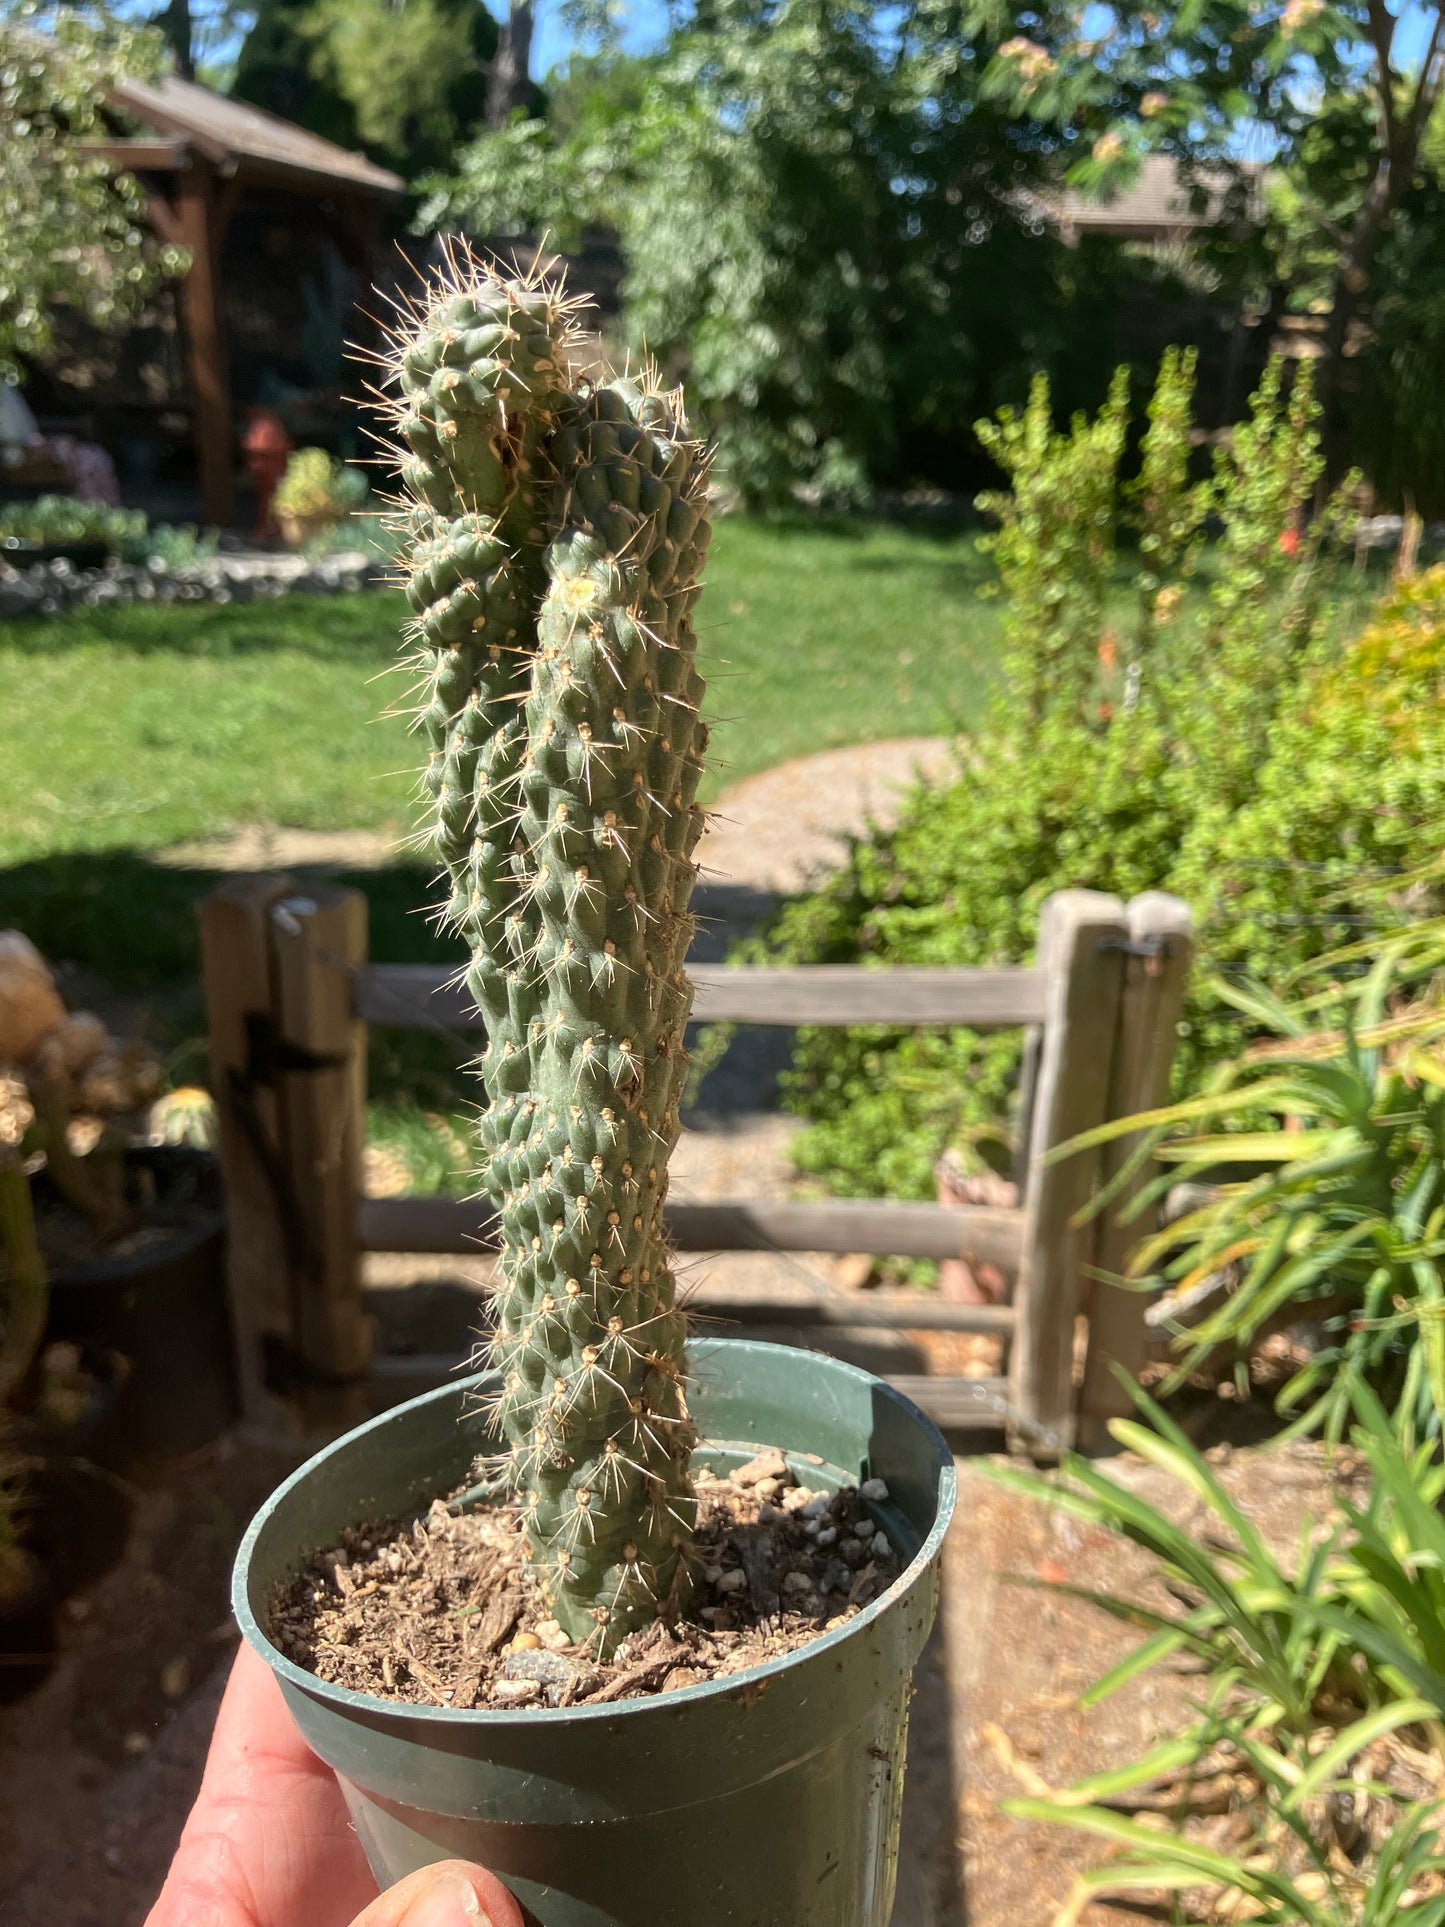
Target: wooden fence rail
x: 290, y: 992
x: 420, y: 996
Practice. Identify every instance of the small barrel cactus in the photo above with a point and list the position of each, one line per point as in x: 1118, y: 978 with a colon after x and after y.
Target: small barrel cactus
x: 554, y: 536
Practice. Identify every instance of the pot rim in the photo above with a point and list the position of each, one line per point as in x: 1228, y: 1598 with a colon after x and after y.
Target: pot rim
x: 344, y: 1700
x: 101, y: 1270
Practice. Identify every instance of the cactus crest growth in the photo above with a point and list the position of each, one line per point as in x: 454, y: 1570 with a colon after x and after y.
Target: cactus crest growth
x: 554, y: 537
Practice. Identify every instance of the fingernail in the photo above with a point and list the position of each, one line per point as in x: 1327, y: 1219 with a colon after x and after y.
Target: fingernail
x: 449, y: 1901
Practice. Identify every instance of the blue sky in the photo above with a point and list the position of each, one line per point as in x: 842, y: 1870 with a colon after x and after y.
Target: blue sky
x: 643, y: 25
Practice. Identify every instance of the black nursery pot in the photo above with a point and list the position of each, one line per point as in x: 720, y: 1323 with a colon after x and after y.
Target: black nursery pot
x: 162, y: 1308
x: 769, y: 1798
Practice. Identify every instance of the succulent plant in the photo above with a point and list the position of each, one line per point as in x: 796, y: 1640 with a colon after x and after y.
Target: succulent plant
x: 67, y: 1091
x: 315, y: 487
x: 553, y: 544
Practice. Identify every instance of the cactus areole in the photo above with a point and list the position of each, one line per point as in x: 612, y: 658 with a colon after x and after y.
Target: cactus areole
x: 554, y: 534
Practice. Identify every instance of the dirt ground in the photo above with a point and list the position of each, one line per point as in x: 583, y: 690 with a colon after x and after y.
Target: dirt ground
x: 98, y: 1768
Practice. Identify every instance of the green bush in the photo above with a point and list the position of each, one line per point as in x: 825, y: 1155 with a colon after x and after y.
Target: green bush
x: 60, y: 521
x: 186, y: 547
x: 316, y: 485
x: 1195, y: 743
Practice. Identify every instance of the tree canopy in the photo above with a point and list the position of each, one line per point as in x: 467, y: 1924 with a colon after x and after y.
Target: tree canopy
x: 405, y: 79
x: 73, y: 232
x: 824, y: 225
x: 1337, y: 96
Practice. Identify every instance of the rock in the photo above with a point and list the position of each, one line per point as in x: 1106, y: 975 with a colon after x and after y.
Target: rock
x: 516, y: 1692
x: 796, y: 1582
x: 52, y: 588
x: 557, y: 1676
x: 30, y: 1005
x: 874, y: 1490
x: 767, y: 1465
x: 734, y: 1581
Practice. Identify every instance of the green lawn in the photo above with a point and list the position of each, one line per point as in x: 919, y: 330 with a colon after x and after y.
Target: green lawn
x: 129, y: 730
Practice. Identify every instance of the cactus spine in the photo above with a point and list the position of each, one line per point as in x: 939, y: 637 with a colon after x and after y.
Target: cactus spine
x: 555, y: 535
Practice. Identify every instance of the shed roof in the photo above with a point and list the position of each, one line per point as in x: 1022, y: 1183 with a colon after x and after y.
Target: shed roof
x: 235, y: 135
x: 1156, y: 204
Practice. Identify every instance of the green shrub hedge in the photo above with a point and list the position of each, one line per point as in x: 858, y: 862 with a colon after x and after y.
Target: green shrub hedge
x: 1220, y: 744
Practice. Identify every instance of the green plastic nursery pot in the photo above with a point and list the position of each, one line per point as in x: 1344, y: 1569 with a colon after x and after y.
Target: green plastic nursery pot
x: 767, y: 1799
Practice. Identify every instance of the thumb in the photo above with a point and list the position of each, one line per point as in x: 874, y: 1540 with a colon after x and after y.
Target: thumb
x: 453, y: 1893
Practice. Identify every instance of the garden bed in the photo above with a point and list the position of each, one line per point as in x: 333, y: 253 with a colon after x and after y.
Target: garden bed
x: 51, y: 588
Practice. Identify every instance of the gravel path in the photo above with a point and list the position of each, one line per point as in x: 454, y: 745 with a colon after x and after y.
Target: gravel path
x: 770, y: 834
x: 777, y: 831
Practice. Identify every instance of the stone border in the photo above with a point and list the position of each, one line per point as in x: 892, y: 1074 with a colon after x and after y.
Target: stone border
x: 51, y: 588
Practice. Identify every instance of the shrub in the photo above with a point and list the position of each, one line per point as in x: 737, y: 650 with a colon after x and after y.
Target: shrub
x: 1394, y: 670
x: 185, y: 547
x: 1321, y: 1688
x: 1335, y: 1126
x: 317, y: 487
x: 1197, y: 742
x: 61, y: 521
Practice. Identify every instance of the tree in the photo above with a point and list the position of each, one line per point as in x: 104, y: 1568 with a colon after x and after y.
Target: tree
x: 176, y: 25
x: 73, y: 231
x: 406, y: 79
x: 202, y: 35
x: 509, y: 83
x: 817, y: 213
x: 1327, y: 91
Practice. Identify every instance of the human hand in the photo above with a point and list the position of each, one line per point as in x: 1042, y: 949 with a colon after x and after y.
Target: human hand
x: 269, y: 1842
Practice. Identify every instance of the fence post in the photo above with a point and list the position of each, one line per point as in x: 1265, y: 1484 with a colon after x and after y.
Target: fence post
x: 317, y: 939
x: 239, y: 987
x: 1082, y: 938
x: 1155, y: 977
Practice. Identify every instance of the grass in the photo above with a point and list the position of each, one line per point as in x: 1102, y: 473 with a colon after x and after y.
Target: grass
x: 135, y: 729
x: 129, y: 732
x: 814, y: 637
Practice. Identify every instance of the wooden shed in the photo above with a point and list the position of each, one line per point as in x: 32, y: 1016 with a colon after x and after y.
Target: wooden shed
x: 221, y: 176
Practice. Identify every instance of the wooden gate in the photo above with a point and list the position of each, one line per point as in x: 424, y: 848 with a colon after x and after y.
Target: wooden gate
x: 290, y: 991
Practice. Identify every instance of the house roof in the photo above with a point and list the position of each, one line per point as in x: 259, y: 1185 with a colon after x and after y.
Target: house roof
x: 1157, y: 204
x: 241, y: 138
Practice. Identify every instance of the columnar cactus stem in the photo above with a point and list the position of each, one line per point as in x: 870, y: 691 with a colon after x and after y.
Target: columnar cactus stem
x: 556, y: 536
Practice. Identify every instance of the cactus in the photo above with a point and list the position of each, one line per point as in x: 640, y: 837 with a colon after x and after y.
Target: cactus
x: 553, y: 536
